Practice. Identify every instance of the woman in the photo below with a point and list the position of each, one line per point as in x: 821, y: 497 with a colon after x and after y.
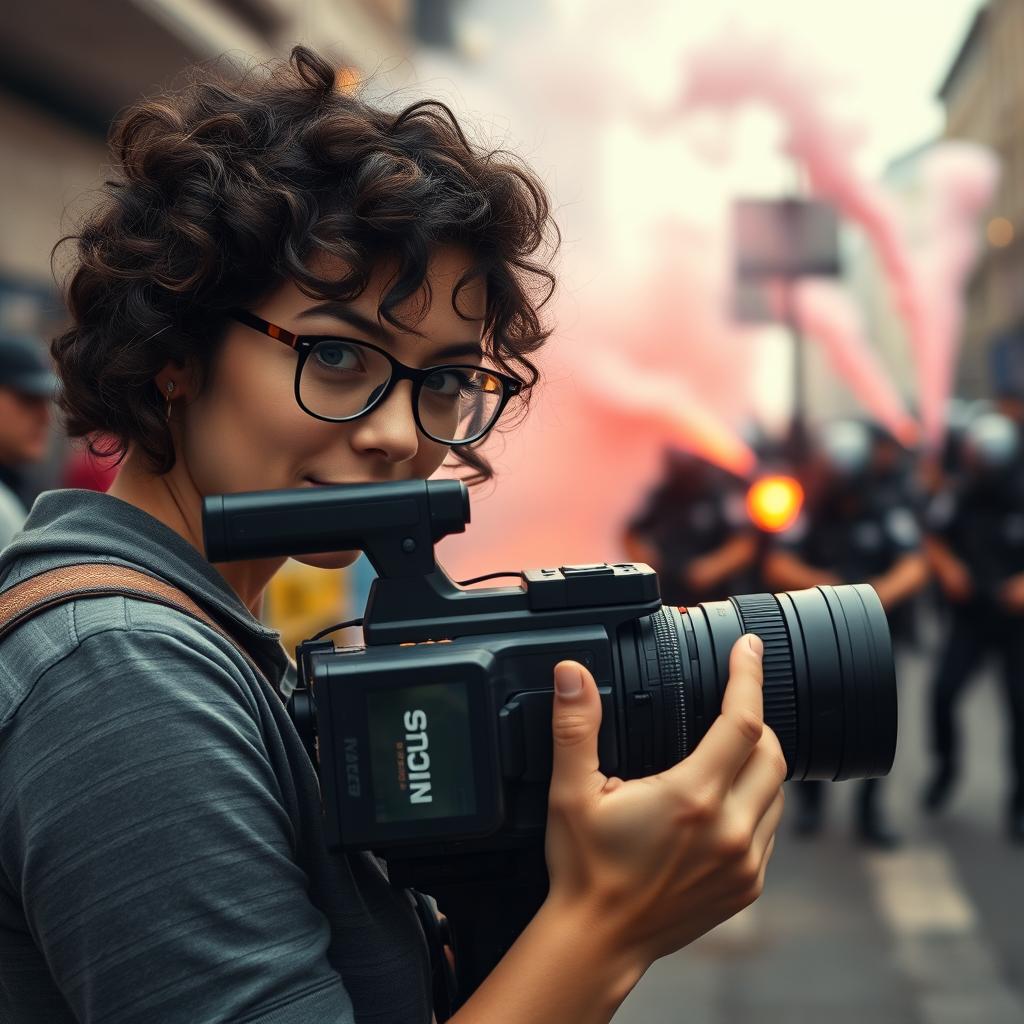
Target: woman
x: 160, y: 834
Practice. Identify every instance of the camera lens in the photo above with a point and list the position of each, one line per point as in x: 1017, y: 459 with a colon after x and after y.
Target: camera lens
x: 829, y: 679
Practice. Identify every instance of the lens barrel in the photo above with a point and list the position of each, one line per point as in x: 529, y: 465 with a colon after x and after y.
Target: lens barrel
x: 829, y: 679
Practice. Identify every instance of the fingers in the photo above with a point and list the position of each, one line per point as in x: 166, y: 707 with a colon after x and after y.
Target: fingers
x: 764, y: 835
x: 769, y: 849
x: 757, y: 784
x: 743, y: 693
x: 575, y: 723
x: 750, y: 855
x: 733, y: 735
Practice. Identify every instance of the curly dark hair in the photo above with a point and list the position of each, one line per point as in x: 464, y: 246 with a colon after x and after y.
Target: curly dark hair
x: 227, y: 187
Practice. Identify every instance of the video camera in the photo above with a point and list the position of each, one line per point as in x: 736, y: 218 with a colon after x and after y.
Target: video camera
x: 433, y: 740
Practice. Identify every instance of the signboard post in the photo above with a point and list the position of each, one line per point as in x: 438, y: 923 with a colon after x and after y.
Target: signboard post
x: 776, y: 242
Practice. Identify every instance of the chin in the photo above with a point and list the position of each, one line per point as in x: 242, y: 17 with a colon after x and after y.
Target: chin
x: 34, y: 454
x: 329, y: 559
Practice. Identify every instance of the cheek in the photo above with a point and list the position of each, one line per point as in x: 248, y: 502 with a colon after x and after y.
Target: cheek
x: 246, y: 433
x: 429, y: 459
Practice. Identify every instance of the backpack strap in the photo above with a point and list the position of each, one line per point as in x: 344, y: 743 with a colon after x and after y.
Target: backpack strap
x: 22, y: 601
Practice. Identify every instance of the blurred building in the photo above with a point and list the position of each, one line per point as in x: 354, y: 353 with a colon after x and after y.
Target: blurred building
x: 67, y: 67
x: 983, y: 94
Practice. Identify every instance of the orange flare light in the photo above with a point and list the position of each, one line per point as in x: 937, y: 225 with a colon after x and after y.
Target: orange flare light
x: 774, y: 502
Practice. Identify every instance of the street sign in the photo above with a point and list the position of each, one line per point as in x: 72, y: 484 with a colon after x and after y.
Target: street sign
x: 785, y: 238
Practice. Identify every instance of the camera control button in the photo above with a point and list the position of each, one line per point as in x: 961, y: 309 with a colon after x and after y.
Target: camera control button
x: 598, y: 569
x: 512, y: 740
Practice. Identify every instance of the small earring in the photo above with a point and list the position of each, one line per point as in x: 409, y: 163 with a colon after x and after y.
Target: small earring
x: 170, y: 390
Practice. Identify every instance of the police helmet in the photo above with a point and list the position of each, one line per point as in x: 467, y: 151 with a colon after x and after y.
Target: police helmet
x: 846, y: 446
x: 991, y: 441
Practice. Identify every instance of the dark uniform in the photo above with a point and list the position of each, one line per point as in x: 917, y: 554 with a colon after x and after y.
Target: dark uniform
x: 694, y: 510
x: 857, y: 529
x: 981, y: 521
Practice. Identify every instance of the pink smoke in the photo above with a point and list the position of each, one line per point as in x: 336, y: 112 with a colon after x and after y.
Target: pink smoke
x: 959, y: 182
x: 655, y: 364
x: 741, y: 68
x: 665, y: 346
x: 669, y: 402
x: 573, y: 473
x: 824, y: 310
x: 647, y: 355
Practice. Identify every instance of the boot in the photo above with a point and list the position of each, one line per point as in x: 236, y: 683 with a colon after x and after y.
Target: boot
x: 872, y: 829
x: 1015, y: 820
x: 939, y: 789
x: 810, y: 812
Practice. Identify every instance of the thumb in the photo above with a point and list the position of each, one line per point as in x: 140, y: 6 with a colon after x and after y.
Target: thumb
x: 575, y: 722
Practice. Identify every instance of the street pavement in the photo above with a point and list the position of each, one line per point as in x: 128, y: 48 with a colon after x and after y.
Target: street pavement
x: 932, y: 933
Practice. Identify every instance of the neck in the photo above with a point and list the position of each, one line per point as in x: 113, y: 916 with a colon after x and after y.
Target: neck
x: 174, y: 499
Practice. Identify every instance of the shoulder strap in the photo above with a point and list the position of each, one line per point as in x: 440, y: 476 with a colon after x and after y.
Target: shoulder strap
x: 101, y: 579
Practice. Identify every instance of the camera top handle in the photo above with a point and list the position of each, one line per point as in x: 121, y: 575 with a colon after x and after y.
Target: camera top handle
x: 397, y: 525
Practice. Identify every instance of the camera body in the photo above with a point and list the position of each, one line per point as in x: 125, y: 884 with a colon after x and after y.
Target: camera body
x: 435, y: 737
x: 442, y: 744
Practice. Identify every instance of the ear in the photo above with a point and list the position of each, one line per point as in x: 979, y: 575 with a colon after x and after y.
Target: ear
x: 181, y: 376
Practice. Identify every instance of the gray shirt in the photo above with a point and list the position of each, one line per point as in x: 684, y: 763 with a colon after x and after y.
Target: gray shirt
x: 161, y: 849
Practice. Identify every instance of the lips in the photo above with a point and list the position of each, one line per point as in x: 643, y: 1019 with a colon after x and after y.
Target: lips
x: 312, y: 481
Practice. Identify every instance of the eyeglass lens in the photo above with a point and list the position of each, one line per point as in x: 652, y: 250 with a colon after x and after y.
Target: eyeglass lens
x: 340, y: 380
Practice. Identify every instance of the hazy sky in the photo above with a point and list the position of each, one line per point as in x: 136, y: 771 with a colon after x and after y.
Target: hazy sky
x: 886, y: 60
x: 894, y: 54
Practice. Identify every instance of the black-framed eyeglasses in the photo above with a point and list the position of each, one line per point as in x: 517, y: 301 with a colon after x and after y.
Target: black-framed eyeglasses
x: 339, y: 379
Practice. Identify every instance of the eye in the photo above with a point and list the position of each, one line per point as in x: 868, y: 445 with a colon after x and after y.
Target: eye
x: 339, y: 355
x: 451, y: 383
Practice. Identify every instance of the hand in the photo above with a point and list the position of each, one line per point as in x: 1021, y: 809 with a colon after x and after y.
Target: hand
x: 1011, y: 594
x: 881, y: 588
x: 955, y: 581
x: 661, y: 860
x: 701, y: 575
x: 639, y: 550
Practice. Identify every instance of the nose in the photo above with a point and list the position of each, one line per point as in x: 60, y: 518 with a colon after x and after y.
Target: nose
x: 389, y: 430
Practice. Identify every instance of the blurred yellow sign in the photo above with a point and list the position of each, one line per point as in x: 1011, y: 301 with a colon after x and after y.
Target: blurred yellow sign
x: 301, y: 601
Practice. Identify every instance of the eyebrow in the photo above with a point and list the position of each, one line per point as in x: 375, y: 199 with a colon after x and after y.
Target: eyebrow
x: 380, y: 333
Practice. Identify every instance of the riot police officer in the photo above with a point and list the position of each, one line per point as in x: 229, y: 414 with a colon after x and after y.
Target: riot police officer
x: 975, y: 545
x: 694, y: 532
x: 859, y: 525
